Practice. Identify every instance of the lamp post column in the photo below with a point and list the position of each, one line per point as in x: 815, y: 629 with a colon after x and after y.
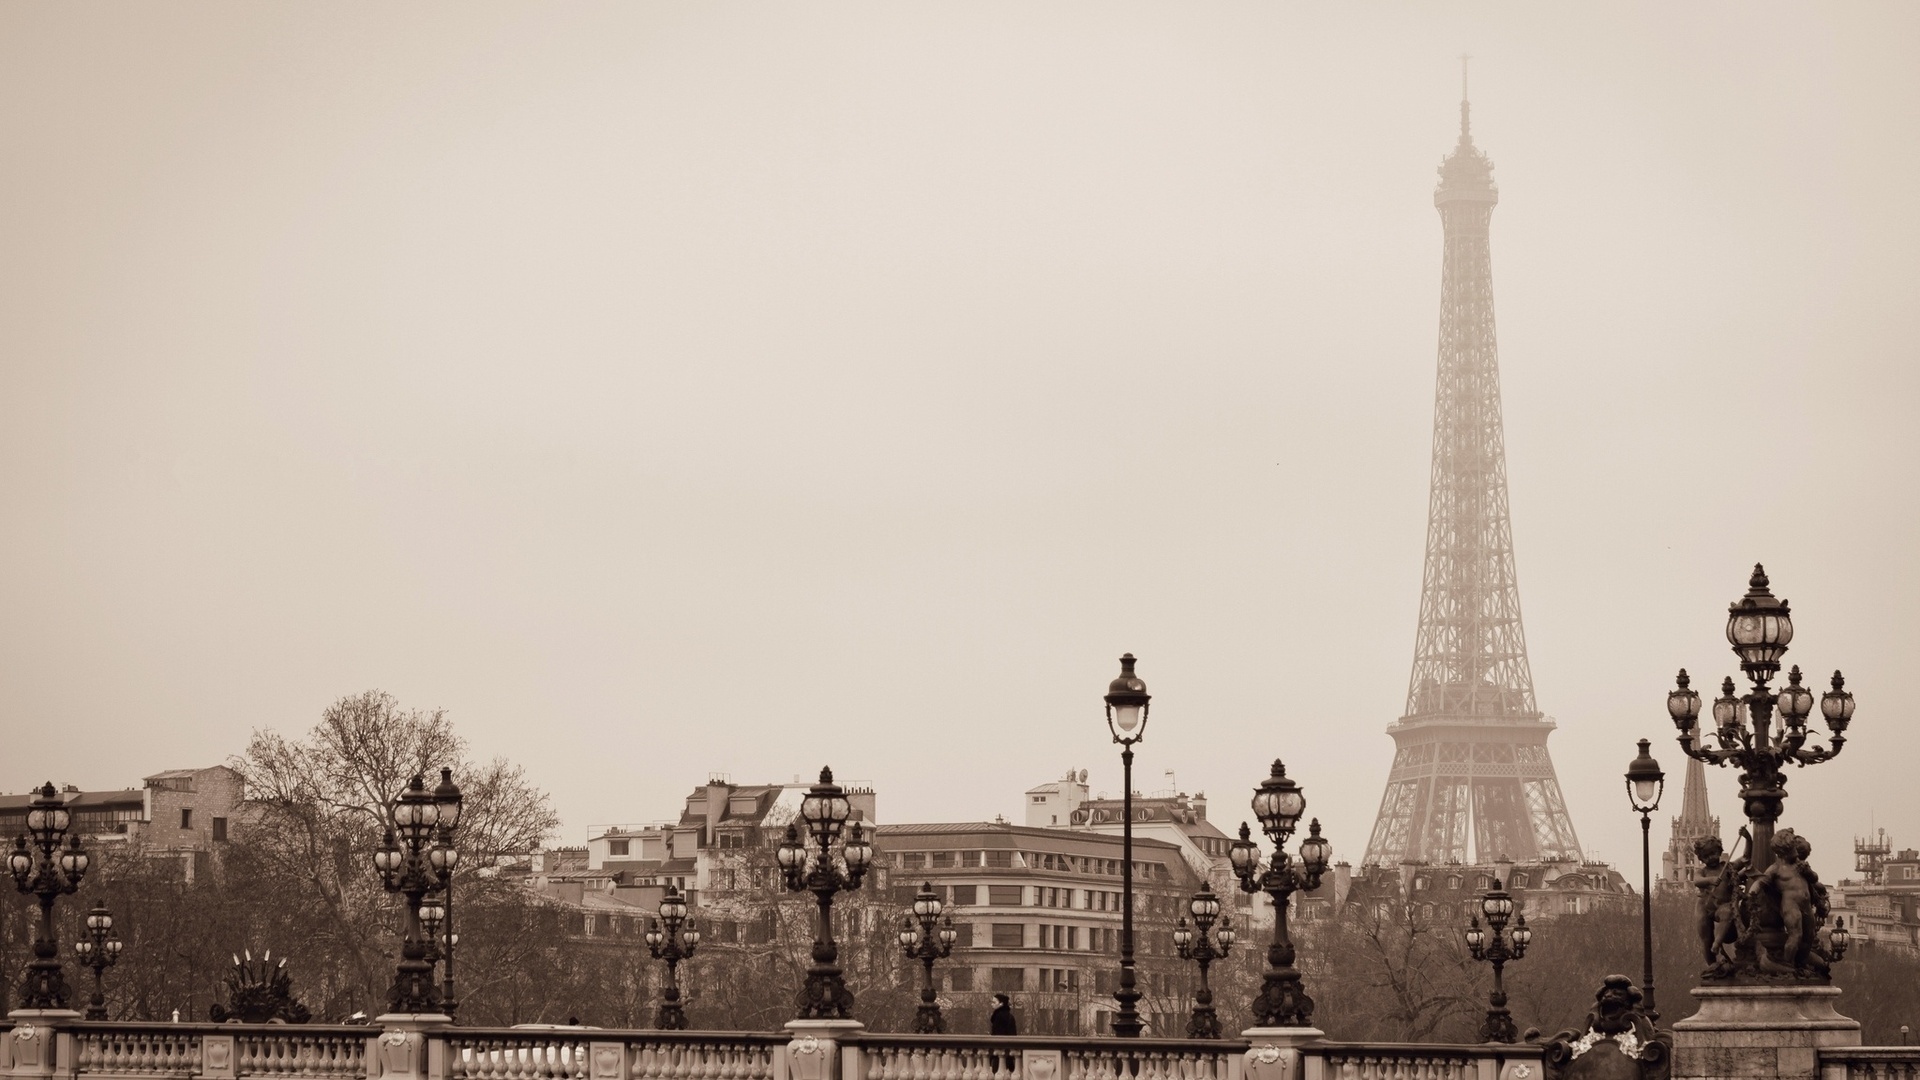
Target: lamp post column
x: 1645, y: 783
x: 1127, y: 703
x: 1278, y: 803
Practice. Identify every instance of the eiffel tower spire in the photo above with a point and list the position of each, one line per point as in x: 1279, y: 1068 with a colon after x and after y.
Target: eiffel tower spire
x: 1472, y: 747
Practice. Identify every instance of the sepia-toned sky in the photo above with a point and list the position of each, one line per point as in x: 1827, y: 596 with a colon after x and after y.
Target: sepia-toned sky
x: 667, y: 389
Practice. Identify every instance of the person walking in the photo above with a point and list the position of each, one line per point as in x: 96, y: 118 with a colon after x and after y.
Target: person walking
x: 1001, y: 1021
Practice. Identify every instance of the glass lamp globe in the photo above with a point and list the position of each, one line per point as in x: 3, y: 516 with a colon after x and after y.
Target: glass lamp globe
x: 1244, y: 854
x: 1278, y: 803
x: 1683, y: 703
x: 1314, y: 850
x: 1127, y: 703
x: 1837, y: 705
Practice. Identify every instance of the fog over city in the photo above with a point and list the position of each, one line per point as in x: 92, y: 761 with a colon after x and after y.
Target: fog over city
x: 673, y: 389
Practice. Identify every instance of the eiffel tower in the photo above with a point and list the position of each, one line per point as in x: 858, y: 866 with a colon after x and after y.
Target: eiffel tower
x: 1471, y: 751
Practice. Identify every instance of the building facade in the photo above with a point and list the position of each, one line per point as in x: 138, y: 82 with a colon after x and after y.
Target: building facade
x: 180, y: 814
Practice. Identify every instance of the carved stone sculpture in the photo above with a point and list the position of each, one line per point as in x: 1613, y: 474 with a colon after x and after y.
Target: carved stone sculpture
x: 1619, y: 1041
x: 259, y: 992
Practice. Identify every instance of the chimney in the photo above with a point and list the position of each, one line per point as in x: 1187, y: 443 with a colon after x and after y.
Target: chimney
x: 1503, y: 869
x: 717, y: 792
x: 1342, y: 884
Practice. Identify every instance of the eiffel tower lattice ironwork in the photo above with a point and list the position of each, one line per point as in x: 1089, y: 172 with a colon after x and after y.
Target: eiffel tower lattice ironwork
x: 1471, y: 751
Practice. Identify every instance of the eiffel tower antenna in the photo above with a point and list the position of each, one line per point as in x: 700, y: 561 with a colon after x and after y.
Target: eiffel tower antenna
x: 1471, y: 761
x: 1466, y: 134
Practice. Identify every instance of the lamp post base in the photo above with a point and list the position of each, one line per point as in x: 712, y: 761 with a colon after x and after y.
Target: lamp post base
x: 1283, y: 1001
x: 927, y: 1020
x: 1204, y: 1023
x: 1126, y: 1020
x: 1498, y: 1026
x: 825, y: 995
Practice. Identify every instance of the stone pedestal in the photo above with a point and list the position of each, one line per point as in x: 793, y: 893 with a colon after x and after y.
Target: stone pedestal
x: 1273, y: 1053
x: 813, y: 1052
x: 1742, y: 1032
x: 34, y: 1048
x: 402, y: 1050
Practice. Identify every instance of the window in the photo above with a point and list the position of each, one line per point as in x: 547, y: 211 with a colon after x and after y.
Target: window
x: 1007, y: 978
x: 960, y: 978
x: 966, y: 894
x: 186, y: 817
x: 963, y: 938
x: 1000, y: 860
x: 943, y: 860
x: 1519, y: 880
x: 912, y: 860
x: 1009, y: 935
x: 1073, y: 937
x: 219, y: 830
x: 617, y: 847
x: 1004, y: 895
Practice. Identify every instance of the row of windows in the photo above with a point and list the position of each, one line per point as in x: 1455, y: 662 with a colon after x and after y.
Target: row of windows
x: 1046, y: 896
x: 1030, y: 860
x: 1055, y: 936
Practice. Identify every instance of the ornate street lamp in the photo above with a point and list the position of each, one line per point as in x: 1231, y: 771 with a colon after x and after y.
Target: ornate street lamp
x: 1491, y: 945
x: 1278, y: 802
x: 99, y: 949
x: 417, y: 860
x: 812, y: 867
x: 673, y: 944
x: 1127, y: 705
x: 446, y: 796
x: 1203, y: 946
x: 926, y: 935
x: 1759, y: 626
x: 1645, y: 784
x: 46, y: 870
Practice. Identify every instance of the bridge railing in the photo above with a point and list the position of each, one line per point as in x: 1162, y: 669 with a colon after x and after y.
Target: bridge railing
x: 69, y: 1050
x: 1869, y: 1062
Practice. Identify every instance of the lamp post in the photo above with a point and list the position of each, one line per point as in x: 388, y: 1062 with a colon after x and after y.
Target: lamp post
x: 810, y: 866
x: 1127, y: 703
x: 417, y: 860
x: 1491, y: 945
x: 1203, y: 946
x: 99, y: 949
x: 926, y: 935
x: 447, y: 796
x: 45, y: 869
x: 1278, y: 802
x: 1759, y: 627
x: 673, y: 944
x: 1645, y: 784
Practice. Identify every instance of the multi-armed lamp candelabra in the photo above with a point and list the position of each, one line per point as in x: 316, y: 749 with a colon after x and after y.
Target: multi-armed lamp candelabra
x: 1203, y: 945
x: 417, y: 860
x: 99, y: 949
x: 926, y: 935
x: 672, y: 939
x: 1492, y: 946
x: 46, y: 869
x: 811, y: 866
x: 1759, y: 627
x: 1278, y: 802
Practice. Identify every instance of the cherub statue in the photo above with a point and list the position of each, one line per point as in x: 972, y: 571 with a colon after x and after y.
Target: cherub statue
x: 1720, y: 903
x: 1787, y: 891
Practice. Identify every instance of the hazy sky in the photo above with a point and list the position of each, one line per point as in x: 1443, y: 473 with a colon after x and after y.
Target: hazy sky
x: 675, y: 388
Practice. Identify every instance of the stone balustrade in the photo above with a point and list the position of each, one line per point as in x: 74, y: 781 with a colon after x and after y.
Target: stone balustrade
x: 58, y: 1048
x: 1870, y: 1063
